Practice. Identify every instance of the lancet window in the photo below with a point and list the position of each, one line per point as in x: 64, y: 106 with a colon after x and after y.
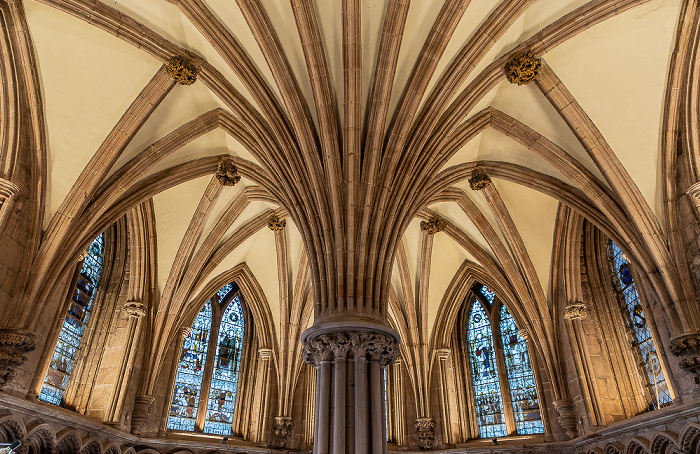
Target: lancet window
x: 502, y: 381
x: 206, y: 382
x: 633, y: 314
x: 81, y: 303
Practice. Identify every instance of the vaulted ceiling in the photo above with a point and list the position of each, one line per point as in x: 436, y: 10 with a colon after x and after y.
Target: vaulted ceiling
x: 615, y: 67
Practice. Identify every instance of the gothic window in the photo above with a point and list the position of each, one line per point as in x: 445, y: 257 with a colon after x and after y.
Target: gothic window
x: 209, y: 368
x: 74, y: 325
x: 633, y: 313
x: 503, y: 384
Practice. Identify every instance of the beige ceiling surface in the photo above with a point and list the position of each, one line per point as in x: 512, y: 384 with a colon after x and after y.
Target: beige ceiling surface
x: 616, y: 70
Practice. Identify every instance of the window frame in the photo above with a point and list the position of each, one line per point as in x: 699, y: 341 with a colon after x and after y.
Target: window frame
x: 218, y: 309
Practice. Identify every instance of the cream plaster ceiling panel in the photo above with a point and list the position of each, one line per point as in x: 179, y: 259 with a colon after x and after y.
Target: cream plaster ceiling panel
x: 421, y: 16
x: 527, y: 104
x: 534, y: 215
x: 411, y: 243
x: 372, y: 22
x: 73, y: 72
x: 445, y: 262
x: 183, y: 104
x: 495, y: 146
x: 617, y: 71
x: 468, y: 153
x: 227, y: 195
x: 254, y: 209
x: 258, y: 253
x: 173, y: 210
x: 544, y: 12
x: 330, y: 25
x: 396, y: 283
x: 454, y: 213
x: 210, y: 144
x: 294, y: 249
x: 480, y: 201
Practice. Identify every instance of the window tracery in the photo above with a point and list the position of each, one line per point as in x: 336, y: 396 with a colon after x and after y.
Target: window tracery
x: 74, y: 325
x: 497, y: 351
x: 633, y: 313
x: 210, y: 369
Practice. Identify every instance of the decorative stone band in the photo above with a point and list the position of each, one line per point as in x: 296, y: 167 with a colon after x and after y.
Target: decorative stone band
x: 523, y: 68
x: 276, y: 224
x: 479, y: 179
x: 14, y: 343
x: 575, y: 311
x: 135, y: 309
x: 265, y: 354
x: 186, y: 331
x: 283, y: 432
x: 444, y: 354
x: 524, y: 333
x: 425, y: 432
x: 329, y: 346
x: 432, y: 226
x: 182, y: 70
x: 8, y: 195
x: 227, y: 173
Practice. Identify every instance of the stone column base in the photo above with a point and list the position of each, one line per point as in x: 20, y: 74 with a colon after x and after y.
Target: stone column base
x: 14, y: 344
x: 143, y: 406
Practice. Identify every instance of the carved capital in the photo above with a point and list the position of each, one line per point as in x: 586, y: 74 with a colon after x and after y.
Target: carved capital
x: 265, y: 354
x: 143, y: 407
x: 227, y: 173
x: 687, y: 346
x: 182, y: 70
x: 523, y: 68
x: 8, y: 196
x: 432, y: 225
x: 283, y: 432
x: 276, y: 224
x: 444, y: 354
x: 575, y: 311
x: 479, y: 179
x: 135, y: 309
x: 186, y: 331
x: 425, y: 432
x: 567, y: 418
x: 367, y: 345
x: 694, y: 191
x: 14, y: 344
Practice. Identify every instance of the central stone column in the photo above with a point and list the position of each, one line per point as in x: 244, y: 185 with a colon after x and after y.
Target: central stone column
x: 350, y: 408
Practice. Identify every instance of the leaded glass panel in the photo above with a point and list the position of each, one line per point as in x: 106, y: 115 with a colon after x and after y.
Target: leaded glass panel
x: 74, y: 324
x: 222, y: 394
x: 190, y: 371
x: 521, y: 380
x: 637, y: 325
x: 488, y: 293
x: 487, y: 389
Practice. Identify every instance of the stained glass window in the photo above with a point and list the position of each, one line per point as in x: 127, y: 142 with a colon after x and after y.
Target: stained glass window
x: 190, y: 371
x: 521, y: 380
x: 487, y: 390
x: 642, y: 343
x: 222, y: 394
x: 488, y: 293
x: 77, y: 317
x: 216, y: 372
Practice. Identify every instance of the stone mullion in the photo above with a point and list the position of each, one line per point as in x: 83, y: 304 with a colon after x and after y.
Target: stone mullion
x: 397, y: 404
x: 502, y: 371
x: 460, y: 390
x: 259, y: 411
x: 209, y: 365
x: 445, y: 401
x: 310, y: 400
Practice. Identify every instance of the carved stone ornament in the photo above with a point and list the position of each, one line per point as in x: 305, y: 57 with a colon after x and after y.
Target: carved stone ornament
x: 432, y: 225
x: 227, y: 174
x: 265, y: 354
x: 575, y: 311
x: 444, y: 354
x: 371, y: 346
x: 283, y: 432
x: 479, y: 179
x: 522, y: 332
x: 694, y: 191
x: 425, y: 432
x: 687, y: 346
x: 182, y: 70
x: 276, y: 224
x: 83, y: 255
x: 186, y: 331
x: 135, y: 309
x: 14, y: 344
x: 567, y: 418
x: 523, y: 68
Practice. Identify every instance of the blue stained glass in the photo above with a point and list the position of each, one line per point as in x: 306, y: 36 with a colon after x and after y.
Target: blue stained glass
x: 487, y: 389
x: 638, y: 327
x: 488, y: 293
x: 222, y: 394
x: 521, y: 380
x: 221, y: 294
x: 74, y: 324
x: 190, y: 371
